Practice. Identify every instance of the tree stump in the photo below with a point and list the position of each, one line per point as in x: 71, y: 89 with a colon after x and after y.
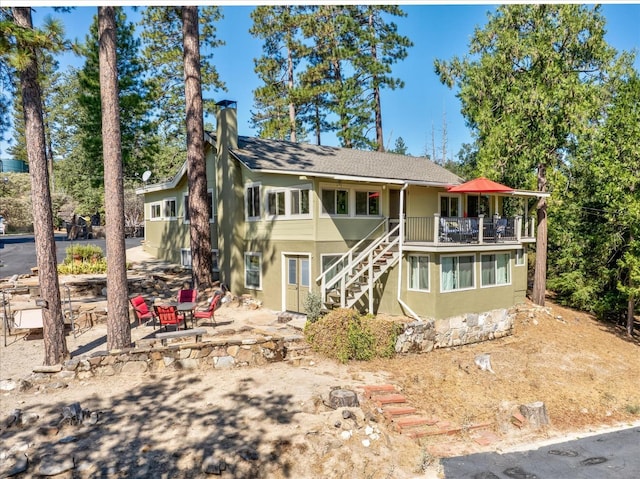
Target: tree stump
x: 536, y: 414
x: 343, y: 398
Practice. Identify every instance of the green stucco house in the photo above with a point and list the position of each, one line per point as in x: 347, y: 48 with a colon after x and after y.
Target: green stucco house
x: 380, y: 232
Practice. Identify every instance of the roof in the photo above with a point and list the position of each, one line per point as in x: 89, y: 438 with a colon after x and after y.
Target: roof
x: 284, y: 157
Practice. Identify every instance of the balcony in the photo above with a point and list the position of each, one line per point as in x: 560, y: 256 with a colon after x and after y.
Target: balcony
x: 453, y: 231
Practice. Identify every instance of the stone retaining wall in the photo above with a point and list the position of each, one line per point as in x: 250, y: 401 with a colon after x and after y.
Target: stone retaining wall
x: 424, y: 336
x: 151, y: 356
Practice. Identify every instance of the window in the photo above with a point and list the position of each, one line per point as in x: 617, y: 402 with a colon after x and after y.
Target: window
x: 495, y: 269
x: 253, y: 202
x: 292, y: 272
x: 252, y: 270
x: 449, y: 206
x: 521, y: 257
x: 367, y: 203
x: 211, y: 207
x: 185, y: 259
x: 300, y: 202
x: 335, y: 202
x: 170, y: 208
x: 327, y: 260
x: 419, y: 273
x: 275, y: 203
x: 156, y: 211
x: 457, y: 273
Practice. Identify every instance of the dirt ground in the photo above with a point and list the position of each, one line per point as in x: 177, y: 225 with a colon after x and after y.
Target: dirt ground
x: 272, y: 421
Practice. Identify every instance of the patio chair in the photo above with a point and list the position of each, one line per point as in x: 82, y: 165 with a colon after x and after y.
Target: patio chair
x: 187, y: 295
x: 209, y: 312
x: 168, y: 316
x: 501, y: 228
x: 142, y: 311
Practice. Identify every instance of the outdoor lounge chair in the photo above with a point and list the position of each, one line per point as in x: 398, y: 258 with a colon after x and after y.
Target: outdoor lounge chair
x: 168, y: 316
x: 142, y: 311
x: 209, y: 312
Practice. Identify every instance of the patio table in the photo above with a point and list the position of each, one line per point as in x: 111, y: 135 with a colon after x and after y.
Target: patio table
x: 187, y: 307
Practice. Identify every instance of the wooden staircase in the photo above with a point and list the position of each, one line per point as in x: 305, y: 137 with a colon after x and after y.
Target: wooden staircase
x: 360, y: 277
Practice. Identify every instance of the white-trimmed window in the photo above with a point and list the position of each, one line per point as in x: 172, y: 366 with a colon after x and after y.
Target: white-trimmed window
x: 170, y: 209
x: 521, y: 257
x: 367, y: 203
x: 276, y: 205
x: 449, y: 206
x: 300, y: 201
x: 335, y: 201
x: 211, y: 206
x: 252, y: 201
x: 327, y: 260
x: 156, y: 211
x: 495, y: 269
x: 253, y: 270
x: 419, y: 272
x: 457, y: 273
x: 185, y: 259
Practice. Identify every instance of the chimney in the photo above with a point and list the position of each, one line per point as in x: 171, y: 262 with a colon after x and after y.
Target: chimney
x: 226, y: 125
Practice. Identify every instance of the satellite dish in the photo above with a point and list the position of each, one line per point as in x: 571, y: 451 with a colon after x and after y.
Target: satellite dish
x: 146, y: 175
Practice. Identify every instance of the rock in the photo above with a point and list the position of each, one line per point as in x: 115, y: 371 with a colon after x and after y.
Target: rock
x: 28, y: 419
x: 8, y: 385
x: 342, y: 398
x: 211, y: 465
x: 12, y: 418
x: 248, y: 454
x: 346, y: 435
x: 51, y: 466
x: 366, y: 442
x: 20, y: 465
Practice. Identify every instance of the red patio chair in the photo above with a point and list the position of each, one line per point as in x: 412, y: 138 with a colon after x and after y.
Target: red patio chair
x: 168, y: 316
x: 142, y: 311
x: 187, y: 295
x: 209, y: 312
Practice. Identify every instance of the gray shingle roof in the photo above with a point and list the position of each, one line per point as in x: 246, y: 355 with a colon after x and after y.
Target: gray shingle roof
x: 260, y: 154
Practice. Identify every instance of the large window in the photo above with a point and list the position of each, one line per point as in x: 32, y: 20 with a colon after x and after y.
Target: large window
x: 419, y: 272
x: 335, y: 202
x: 457, y: 273
x: 170, y: 210
x: 252, y: 198
x: 253, y: 270
x: 367, y: 203
x: 449, y: 206
x: 495, y: 269
x: 211, y: 207
x: 328, y: 260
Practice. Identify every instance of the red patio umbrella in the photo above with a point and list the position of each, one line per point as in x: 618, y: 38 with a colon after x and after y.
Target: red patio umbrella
x: 480, y: 185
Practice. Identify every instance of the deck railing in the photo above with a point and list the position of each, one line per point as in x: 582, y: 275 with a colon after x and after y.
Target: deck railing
x: 454, y: 230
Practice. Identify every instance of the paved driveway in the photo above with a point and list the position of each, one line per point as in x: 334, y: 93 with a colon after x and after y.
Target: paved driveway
x: 19, y: 253
x: 604, y: 456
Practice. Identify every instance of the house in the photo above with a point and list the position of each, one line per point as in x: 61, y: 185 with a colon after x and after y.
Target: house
x: 291, y: 218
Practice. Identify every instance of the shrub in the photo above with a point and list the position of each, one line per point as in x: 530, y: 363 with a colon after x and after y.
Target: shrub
x: 343, y: 334
x: 83, y: 259
x: 313, y: 307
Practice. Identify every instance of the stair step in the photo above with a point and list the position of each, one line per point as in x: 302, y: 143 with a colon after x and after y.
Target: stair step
x: 393, y: 412
x: 411, y: 422
x: 369, y: 391
x: 390, y: 399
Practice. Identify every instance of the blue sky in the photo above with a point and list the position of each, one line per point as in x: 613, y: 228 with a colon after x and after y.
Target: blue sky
x: 437, y: 31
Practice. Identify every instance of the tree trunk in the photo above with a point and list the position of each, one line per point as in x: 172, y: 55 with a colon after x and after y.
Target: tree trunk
x: 376, y: 90
x: 199, y: 207
x: 536, y: 414
x: 292, y: 106
x: 540, y: 274
x: 55, y: 346
x: 631, y: 300
x: 118, y: 326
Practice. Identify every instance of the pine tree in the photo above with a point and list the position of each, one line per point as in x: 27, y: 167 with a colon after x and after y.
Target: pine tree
x: 138, y: 143
x: 118, y: 327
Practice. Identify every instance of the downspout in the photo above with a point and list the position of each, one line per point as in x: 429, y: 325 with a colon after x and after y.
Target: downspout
x: 401, y: 259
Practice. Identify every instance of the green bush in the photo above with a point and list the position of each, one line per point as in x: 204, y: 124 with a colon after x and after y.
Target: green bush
x: 313, y: 307
x: 343, y: 334
x: 83, y: 259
